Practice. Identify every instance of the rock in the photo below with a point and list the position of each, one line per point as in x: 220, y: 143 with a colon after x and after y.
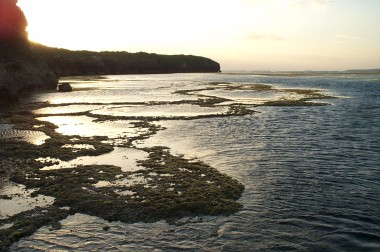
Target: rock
x: 21, y: 72
x: 64, y: 87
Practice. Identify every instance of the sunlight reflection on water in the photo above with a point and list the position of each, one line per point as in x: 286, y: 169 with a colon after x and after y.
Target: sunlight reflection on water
x: 87, y: 127
x: 66, y: 109
x: 20, y: 200
x: 7, y: 133
x: 181, y: 110
x: 126, y: 158
x: 247, y: 97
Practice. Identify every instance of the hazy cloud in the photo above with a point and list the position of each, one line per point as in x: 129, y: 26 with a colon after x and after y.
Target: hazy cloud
x: 254, y: 1
x: 261, y: 36
x: 313, y: 4
x: 346, y: 37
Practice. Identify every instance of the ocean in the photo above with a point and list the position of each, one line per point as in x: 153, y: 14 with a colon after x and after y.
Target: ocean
x: 311, y: 173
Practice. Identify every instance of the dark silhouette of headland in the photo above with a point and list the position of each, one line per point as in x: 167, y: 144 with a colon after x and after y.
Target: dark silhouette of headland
x: 26, y: 66
x: 21, y: 69
x: 70, y: 63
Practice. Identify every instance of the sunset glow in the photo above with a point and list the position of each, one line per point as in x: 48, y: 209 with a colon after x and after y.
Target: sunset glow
x: 240, y: 34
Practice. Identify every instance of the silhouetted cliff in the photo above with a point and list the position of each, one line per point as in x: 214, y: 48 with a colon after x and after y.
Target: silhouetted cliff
x: 68, y: 63
x: 21, y: 69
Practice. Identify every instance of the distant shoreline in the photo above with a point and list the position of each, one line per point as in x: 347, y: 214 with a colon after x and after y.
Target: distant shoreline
x: 303, y: 73
x: 65, y: 62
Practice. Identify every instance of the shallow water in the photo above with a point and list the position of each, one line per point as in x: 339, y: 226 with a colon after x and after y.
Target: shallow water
x: 167, y: 111
x: 69, y: 109
x: 247, y: 97
x: 86, y: 127
x: 7, y: 133
x: 128, y: 90
x: 311, y: 174
x: 18, y: 200
x: 125, y: 158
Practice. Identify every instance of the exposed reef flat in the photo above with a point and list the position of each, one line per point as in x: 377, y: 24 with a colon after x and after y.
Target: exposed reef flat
x: 168, y: 187
x: 64, y: 175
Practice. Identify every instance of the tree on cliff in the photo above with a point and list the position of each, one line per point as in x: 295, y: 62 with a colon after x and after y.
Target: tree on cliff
x: 13, y: 22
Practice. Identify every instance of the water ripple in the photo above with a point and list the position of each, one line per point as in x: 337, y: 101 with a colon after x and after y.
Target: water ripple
x: 311, y: 175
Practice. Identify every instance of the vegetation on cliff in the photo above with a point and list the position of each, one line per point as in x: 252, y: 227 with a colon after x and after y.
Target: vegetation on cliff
x: 70, y: 63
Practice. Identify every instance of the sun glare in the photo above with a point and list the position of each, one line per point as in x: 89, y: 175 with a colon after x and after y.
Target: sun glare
x: 126, y: 24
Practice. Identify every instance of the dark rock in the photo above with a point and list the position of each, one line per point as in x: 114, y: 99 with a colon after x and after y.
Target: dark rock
x: 6, y: 97
x: 21, y: 72
x: 64, y: 87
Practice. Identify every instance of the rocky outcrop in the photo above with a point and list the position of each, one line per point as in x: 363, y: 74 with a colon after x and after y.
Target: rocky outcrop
x: 64, y: 87
x: 21, y: 69
x: 68, y: 63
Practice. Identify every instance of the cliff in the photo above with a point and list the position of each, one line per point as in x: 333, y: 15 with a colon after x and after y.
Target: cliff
x: 21, y: 69
x: 69, y: 63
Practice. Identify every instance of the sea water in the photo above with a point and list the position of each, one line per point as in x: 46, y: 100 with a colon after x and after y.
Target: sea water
x: 311, y: 173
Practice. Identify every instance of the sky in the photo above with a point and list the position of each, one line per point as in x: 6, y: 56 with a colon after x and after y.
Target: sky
x: 277, y: 35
